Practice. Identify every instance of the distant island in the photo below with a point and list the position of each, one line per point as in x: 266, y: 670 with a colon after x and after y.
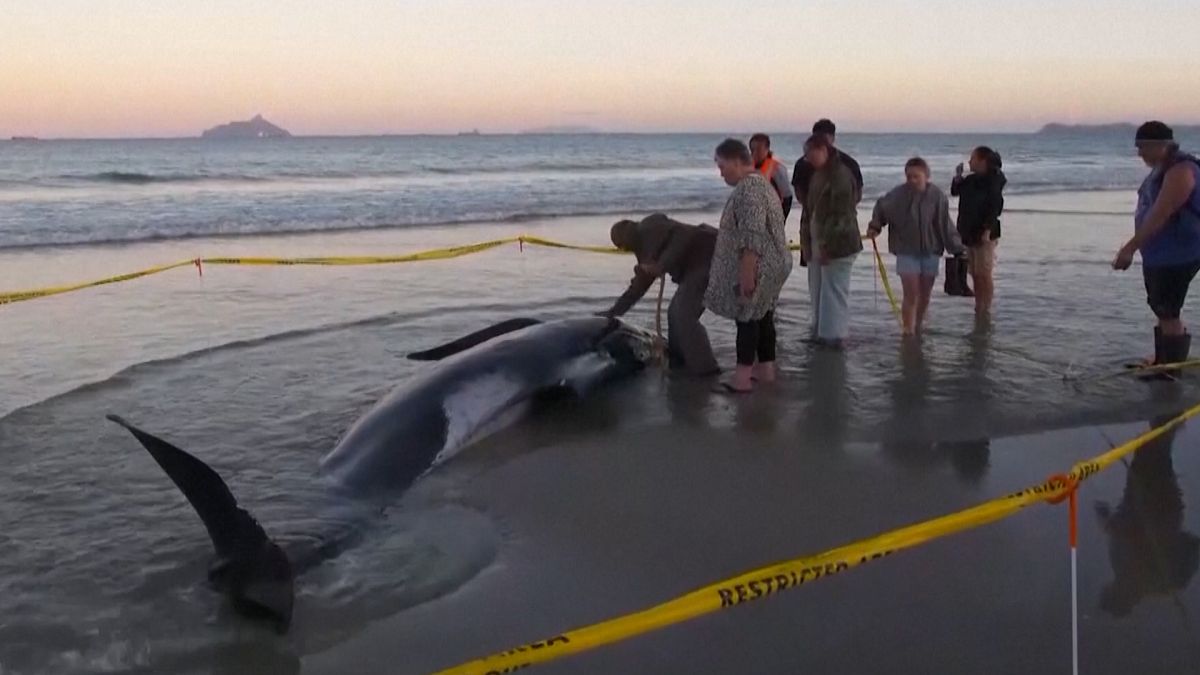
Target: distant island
x: 1123, y: 128
x: 257, y: 127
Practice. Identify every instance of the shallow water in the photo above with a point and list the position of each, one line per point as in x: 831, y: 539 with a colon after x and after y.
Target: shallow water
x: 597, y: 508
x: 78, y: 192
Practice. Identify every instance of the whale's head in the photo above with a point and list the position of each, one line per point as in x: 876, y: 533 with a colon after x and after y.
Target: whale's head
x: 631, y: 346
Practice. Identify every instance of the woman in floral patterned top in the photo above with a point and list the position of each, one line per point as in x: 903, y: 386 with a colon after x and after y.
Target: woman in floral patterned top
x: 749, y: 266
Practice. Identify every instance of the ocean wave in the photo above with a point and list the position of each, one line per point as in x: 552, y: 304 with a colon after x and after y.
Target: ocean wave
x: 1063, y: 188
x: 135, y: 178
x: 562, y: 167
x: 1067, y: 212
x: 220, y: 230
x: 874, y: 192
x: 138, y: 178
x: 124, y: 376
x: 585, y: 170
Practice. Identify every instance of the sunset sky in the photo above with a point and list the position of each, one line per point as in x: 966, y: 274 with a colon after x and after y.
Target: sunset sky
x: 172, y: 68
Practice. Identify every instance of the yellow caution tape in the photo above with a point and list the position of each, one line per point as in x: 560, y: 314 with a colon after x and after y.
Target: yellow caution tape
x: 18, y: 296
x: 1151, y: 369
x: 538, y: 241
x: 434, y: 254
x: 887, y: 285
x: 768, y: 581
x: 458, y: 251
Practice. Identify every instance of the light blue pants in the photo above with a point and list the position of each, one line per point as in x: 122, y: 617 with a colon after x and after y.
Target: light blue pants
x: 829, y: 287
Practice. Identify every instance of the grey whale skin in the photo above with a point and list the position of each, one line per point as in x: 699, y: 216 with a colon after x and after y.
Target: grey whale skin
x: 481, y: 383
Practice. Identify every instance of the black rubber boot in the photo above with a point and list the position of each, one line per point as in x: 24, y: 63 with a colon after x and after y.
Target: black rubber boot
x: 963, y: 270
x: 1170, y: 349
x: 1175, y: 348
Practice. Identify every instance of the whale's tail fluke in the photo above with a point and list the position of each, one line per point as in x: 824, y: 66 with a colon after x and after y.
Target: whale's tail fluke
x: 251, y: 567
x: 477, y: 338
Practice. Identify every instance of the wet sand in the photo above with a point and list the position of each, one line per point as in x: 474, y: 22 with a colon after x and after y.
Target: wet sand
x: 655, y: 508
x: 650, y: 490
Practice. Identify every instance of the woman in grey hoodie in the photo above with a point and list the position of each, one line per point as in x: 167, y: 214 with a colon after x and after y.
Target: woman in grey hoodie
x: 919, y: 214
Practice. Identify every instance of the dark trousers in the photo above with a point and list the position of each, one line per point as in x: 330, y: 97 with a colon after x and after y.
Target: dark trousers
x: 756, y: 340
x: 687, y: 340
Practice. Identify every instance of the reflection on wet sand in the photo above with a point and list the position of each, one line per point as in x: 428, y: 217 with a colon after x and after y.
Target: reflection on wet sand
x: 1150, y: 553
x: 911, y: 437
x: 687, y: 401
x: 827, y: 414
x: 978, y: 361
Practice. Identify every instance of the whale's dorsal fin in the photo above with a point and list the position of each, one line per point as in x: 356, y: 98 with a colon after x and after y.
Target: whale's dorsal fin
x: 477, y: 338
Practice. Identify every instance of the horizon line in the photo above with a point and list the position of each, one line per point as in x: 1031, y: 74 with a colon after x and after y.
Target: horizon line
x: 17, y: 138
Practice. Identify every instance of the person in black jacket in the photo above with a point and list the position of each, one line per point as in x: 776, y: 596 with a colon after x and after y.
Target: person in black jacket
x: 980, y: 203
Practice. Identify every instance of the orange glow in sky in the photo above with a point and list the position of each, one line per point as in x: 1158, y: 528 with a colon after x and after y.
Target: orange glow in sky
x: 141, y: 68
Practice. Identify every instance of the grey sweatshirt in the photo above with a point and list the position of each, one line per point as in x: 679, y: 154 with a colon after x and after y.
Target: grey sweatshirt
x: 920, y: 221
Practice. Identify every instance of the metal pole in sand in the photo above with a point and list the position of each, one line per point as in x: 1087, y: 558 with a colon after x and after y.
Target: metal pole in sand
x: 1072, y: 487
x: 1074, y: 585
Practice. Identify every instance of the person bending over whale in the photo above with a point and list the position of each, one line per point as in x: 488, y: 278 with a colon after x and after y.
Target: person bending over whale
x: 666, y: 246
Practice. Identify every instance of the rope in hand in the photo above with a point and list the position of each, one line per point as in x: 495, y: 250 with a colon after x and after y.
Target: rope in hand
x: 661, y: 343
x: 887, y: 285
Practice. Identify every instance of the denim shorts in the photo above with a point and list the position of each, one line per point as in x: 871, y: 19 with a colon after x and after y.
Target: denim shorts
x: 924, y: 265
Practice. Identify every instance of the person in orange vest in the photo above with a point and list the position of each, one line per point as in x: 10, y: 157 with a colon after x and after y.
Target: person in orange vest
x: 772, y: 169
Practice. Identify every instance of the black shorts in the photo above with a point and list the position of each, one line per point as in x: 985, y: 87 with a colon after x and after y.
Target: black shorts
x: 1167, y: 287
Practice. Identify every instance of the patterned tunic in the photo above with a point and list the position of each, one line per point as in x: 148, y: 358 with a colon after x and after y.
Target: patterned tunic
x: 753, y: 220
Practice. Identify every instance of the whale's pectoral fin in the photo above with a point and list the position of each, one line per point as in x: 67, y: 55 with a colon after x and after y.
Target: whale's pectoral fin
x: 253, y: 569
x: 477, y: 338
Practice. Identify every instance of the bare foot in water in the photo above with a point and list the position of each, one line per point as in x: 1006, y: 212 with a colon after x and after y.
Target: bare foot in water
x: 764, y: 372
x: 730, y: 388
x: 742, y: 382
